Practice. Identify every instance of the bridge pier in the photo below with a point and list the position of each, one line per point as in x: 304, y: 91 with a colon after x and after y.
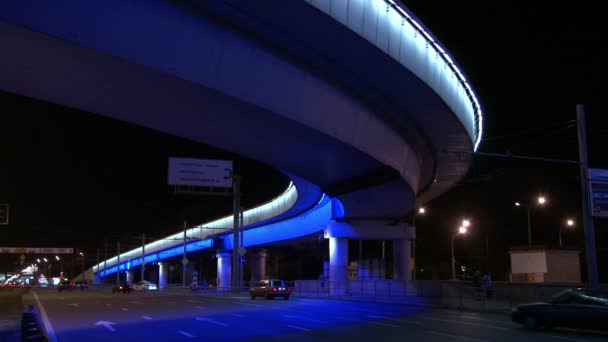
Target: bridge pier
x: 257, y: 262
x: 402, y: 259
x: 224, y: 269
x: 163, y: 273
x: 338, y: 265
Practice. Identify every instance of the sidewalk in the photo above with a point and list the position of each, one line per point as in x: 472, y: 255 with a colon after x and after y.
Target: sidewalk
x: 10, y: 315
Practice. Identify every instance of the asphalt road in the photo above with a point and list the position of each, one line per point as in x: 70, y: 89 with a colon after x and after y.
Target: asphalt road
x: 103, y: 316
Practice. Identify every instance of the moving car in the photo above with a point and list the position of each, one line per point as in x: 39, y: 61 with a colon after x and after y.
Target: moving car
x: 144, y: 285
x: 270, y: 289
x: 122, y: 287
x: 580, y: 308
x: 66, y: 285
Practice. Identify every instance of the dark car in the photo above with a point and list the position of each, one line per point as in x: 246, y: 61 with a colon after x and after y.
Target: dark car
x: 580, y: 308
x: 66, y: 285
x: 82, y: 285
x: 122, y: 287
x: 270, y: 289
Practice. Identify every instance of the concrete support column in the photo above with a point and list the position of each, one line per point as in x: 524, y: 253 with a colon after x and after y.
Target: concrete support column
x: 338, y: 266
x: 224, y: 269
x: 402, y: 259
x: 163, y: 275
x: 257, y: 265
x: 130, y: 277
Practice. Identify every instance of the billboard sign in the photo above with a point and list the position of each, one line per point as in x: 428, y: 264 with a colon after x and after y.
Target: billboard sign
x: 598, y: 184
x: 200, y: 172
x: 35, y: 250
x: 3, y: 213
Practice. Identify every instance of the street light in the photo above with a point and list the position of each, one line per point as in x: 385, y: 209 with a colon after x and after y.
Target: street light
x: 421, y: 211
x: 461, y: 231
x: 569, y: 223
x: 540, y: 200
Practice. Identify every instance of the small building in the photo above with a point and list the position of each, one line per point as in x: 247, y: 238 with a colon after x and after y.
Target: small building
x: 541, y: 264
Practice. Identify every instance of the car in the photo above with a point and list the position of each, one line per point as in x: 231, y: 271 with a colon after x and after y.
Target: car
x: 144, y: 285
x: 122, y: 287
x: 576, y: 308
x: 66, y: 285
x: 270, y: 289
x: 200, y: 285
x: 82, y: 285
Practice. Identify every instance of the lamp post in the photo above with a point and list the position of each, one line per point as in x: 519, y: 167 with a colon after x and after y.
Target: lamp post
x: 82, y: 264
x: 420, y: 211
x: 541, y: 200
x: 569, y: 223
x: 461, y: 231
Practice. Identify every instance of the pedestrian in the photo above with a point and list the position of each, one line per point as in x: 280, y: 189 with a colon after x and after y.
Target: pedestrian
x: 487, y: 284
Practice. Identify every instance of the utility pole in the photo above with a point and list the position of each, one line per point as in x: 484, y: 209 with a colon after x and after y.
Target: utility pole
x: 105, y: 260
x: 236, y: 260
x: 118, y: 262
x: 590, y: 252
x: 143, y: 253
x: 184, y: 258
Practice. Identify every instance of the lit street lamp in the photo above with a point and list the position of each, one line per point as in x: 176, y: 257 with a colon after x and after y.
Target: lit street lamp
x: 569, y: 224
x: 461, y: 231
x: 421, y: 211
x: 540, y: 201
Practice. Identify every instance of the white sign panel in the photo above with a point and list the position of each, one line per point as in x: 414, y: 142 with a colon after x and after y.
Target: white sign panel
x: 200, y: 172
x: 528, y: 262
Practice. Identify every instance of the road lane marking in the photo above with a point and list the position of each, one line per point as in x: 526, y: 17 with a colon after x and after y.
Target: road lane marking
x: 107, y: 325
x: 569, y: 338
x: 211, y: 321
x: 74, y: 305
x: 185, y: 334
x: 304, y: 319
x: 466, y: 323
x: 108, y: 304
x: 197, y: 307
x: 146, y: 317
x: 462, y: 338
x: 248, y: 304
x: 48, y: 327
x: 298, y: 328
x: 138, y: 303
x: 124, y: 309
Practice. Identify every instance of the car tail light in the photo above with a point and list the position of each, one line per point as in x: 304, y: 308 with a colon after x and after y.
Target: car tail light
x: 274, y: 289
x: 289, y: 289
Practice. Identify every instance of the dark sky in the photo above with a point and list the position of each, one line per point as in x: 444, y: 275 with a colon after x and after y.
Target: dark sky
x: 76, y: 178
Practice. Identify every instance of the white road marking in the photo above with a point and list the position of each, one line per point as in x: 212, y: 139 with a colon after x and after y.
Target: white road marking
x: 146, y: 317
x: 124, y: 309
x: 45, y: 319
x: 185, y: 334
x: 466, y: 323
x: 108, y: 304
x: 569, y: 338
x: 248, y: 304
x: 138, y: 303
x: 298, y: 328
x: 197, y: 307
x: 211, y: 321
x: 107, y: 325
x: 454, y: 336
x: 304, y: 318
x: 195, y: 301
x: 74, y: 305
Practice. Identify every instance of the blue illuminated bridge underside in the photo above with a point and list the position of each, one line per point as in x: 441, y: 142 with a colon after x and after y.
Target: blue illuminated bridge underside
x: 354, y: 99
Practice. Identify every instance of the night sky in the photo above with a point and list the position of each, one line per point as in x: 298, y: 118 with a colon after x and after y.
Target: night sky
x: 75, y: 178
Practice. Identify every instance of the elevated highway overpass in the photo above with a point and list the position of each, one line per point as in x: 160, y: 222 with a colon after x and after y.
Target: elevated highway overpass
x: 355, y: 97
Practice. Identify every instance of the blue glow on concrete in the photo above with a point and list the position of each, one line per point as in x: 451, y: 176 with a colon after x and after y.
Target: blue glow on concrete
x: 313, y: 221
x: 162, y: 255
x: 272, y: 208
x: 381, y: 22
x: 337, y: 208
